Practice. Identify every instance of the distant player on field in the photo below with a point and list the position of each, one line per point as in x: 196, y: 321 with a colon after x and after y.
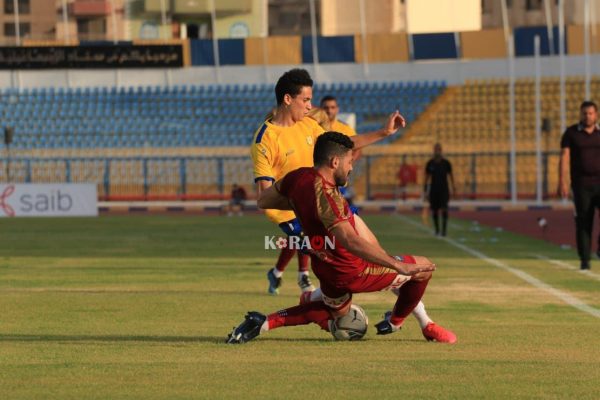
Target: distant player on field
x: 438, y: 172
x: 329, y: 104
x: 284, y: 143
x: 353, y: 266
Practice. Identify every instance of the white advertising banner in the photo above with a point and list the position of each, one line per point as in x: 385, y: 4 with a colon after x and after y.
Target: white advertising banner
x: 48, y: 200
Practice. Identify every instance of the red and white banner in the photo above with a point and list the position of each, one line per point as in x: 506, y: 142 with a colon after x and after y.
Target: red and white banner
x: 48, y: 200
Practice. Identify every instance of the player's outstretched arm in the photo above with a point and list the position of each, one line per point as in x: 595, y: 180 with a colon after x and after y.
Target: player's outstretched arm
x: 347, y: 237
x: 395, y: 121
x: 270, y: 198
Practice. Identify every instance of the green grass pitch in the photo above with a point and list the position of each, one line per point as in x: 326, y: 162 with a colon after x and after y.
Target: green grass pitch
x: 139, y: 307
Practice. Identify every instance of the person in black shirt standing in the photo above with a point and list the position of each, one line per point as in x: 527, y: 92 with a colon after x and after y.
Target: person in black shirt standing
x: 580, y: 150
x: 437, y: 172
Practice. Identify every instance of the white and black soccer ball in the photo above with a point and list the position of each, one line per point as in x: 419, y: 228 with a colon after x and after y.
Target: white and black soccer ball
x: 352, y: 326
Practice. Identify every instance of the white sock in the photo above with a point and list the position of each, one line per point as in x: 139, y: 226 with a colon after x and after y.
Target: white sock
x: 264, y: 327
x: 277, y: 273
x: 421, y: 315
x: 301, y: 274
x: 316, y: 295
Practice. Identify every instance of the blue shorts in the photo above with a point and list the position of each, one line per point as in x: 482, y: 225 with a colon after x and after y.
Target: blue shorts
x: 291, y: 227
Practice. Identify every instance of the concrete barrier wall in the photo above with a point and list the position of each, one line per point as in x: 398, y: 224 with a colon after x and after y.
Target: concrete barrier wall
x: 382, y: 48
x: 483, y: 44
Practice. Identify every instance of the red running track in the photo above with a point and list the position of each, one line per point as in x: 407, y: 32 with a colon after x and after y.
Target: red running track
x: 560, y: 228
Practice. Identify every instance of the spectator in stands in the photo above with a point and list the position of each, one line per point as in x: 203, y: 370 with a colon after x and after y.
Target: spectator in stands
x: 580, y: 152
x: 437, y: 173
x: 236, y: 203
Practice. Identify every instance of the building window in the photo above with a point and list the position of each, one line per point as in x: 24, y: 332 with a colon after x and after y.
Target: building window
x: 24, y: 29
x: 486, y: 6
x: 9, y: 6
x: 533, y: 5
x: 292, y: 17
x: 94, y: 28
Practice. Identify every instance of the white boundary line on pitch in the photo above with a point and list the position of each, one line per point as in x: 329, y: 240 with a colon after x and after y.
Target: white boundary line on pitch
x: 567, y: 298
x: 563, y: 264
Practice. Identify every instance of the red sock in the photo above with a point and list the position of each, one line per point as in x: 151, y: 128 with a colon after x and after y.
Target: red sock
x: 303, y: 262
x: 303, y: 314
x: 408, y: 298
x: 284, y: 259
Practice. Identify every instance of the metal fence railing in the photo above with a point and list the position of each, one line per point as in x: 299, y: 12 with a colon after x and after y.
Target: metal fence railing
x: 477, y: 175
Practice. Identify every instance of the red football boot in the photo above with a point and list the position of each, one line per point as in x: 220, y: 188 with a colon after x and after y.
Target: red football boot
x: 434, y: 332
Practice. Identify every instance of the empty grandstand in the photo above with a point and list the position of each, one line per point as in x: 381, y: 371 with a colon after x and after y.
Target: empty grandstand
x: 67, y: 129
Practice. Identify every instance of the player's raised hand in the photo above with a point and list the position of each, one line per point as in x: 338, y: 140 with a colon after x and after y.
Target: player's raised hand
x: 395, y: 121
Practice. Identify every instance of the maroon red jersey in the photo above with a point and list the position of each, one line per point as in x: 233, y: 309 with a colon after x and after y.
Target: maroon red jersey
x: 320, y: 206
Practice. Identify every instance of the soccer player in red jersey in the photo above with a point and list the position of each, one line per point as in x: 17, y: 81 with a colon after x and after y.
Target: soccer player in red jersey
x: 352, y: 265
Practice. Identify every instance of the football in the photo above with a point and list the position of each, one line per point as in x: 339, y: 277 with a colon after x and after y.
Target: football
x: 352, y: 326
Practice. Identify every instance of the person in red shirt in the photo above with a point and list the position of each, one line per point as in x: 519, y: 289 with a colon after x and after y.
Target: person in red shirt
x: 236, y: 202
x: 352, y: 264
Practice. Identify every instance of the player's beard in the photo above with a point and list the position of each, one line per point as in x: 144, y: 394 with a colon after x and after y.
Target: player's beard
x: 341, y: 178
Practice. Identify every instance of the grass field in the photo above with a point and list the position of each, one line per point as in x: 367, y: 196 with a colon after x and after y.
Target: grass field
x: 139, y: 307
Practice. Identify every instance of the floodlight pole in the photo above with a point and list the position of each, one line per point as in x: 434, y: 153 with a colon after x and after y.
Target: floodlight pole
x: 163, y: 18
x: 548, y: 15
x: 8, y: 163
x: 17, y: 22
x: 215, y: 40
x: 593, y: 31
x: 561, y: 52
x: 65, y: 17
x: 586, y: 47
x: 313, y: 32
x: 510, y: 47
x: 265, y: 38
x: 505, y: 24
x: 363, y: 37
x: 538, y: 121
x: 113, y: 17
x: 511, y: 105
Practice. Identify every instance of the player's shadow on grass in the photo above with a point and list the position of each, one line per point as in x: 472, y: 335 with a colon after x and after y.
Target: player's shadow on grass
x: 148, y: 339
x: 111, y: 338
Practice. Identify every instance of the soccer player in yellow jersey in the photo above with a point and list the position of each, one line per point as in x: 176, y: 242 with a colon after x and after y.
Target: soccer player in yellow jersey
x: 285, y: 143
x: 330, y: 106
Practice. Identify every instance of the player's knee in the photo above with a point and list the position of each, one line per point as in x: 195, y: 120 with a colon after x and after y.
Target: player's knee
x: 422, y: 276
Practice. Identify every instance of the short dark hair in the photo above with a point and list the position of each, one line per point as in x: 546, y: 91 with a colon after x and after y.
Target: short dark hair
x: 292, y: 83
x: 327, y: 98
x: 587, y: 104
x: 331, y: 144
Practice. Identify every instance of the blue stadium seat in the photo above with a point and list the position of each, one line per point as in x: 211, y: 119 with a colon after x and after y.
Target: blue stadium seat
x: 184, y: 115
